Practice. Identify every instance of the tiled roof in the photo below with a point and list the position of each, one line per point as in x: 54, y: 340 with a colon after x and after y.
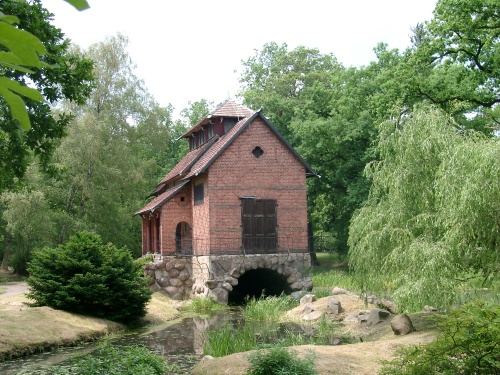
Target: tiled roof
x: 227, y: 108
x: 186, y: 162
x: 200, y: 159
x: 161, y: 199
x: 211, y: 154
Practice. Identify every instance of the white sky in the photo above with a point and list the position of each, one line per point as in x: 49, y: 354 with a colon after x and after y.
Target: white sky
x: 186, y: 50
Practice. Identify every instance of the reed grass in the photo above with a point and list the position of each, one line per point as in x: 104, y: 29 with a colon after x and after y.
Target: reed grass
x: 268, y: 308
x: 335, y: 277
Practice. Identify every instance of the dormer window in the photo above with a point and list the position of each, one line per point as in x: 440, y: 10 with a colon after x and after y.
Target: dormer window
x: 210, y: 130
x: 229, y: 122
x: 201, y: 137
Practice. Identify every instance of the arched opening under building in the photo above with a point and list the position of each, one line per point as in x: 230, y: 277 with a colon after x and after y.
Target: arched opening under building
x: 255, y: 283
x: 183, y: 239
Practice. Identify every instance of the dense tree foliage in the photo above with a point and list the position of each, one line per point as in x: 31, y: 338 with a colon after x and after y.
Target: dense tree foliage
x: 457, y: 62
x: 431, y: 220
x: 63, y: 75
x: 87, y: 276
x: 117, y: 147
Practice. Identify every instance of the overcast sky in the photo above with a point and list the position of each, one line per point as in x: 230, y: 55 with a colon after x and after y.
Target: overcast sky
x: 186, y: 50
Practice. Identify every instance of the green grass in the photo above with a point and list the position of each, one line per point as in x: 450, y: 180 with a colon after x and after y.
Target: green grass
x: 268, y: 308
x: 204, y: 306
x: 330, y: 273
x: 280, y: 360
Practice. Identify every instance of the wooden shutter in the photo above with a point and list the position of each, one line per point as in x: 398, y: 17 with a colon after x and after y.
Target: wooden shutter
x: 259, y: 225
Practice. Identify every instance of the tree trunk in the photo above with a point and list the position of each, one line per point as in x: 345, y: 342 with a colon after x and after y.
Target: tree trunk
x: 6, y: 254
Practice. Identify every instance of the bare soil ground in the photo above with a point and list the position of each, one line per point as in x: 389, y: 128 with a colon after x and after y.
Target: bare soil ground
x: 378, y: 343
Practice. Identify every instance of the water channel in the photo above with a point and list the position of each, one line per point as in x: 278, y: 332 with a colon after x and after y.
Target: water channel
x: 180, y: 342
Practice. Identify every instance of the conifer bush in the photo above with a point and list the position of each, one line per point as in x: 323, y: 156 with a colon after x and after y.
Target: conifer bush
x: 87, y: 276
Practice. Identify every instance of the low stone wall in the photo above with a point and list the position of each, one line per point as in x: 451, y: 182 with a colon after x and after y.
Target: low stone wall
x: 215, y: 276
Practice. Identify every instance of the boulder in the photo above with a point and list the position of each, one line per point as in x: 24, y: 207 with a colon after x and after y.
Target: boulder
x: 373, y: 300
x: 155, y: 287
x: 308, y: 298
x: 337, y: 291
x: 351, y: 317
x: 234, y: 273
x: 163, y: 282
x: 169, y: 266
x: 219, y: 295
x: 175, y: 282
x: 184, y: 274
x: 376, y: 315
x: 333, y: 306
x: 227, y: 286
x: 308, y: 309
x: 389, y: 305
x: 313, y: 315
x: 212, y: 283
x: 173, y: 273
x: 402, y: 325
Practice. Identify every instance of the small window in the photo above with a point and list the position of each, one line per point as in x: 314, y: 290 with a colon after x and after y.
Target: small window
x: 192, y: 143
x: 182, y: 199
x: 201, y: 137
x: 210, y: 130
x: 199, y: 193
x: 257, y: 152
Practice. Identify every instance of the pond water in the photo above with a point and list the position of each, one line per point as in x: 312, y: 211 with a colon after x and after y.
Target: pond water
x: 181, y: 343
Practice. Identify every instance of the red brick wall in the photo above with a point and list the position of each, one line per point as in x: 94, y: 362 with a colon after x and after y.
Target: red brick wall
x: 173, y: 212
x: 201, y: 238
x: 277, y: 174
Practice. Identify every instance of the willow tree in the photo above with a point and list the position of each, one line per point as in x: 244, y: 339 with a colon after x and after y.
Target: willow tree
x: 430, y: 224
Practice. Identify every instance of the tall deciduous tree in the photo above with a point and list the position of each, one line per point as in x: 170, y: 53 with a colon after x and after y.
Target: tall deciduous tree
x: 27, y: 225
x: 457, y: 61
x: 431, y: 220
x: 62, y: 75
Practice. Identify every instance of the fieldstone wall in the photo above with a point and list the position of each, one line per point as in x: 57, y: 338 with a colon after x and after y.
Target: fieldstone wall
x: 215, y: 276
x: 172, y: 275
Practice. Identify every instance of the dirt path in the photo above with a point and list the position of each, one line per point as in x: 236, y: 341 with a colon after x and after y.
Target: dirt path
x: 13, y: 288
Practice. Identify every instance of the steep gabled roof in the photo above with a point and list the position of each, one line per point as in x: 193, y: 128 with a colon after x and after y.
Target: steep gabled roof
x: 161, y: 199
x: 197, y: 161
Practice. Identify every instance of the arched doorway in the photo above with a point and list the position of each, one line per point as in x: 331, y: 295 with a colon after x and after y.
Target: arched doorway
x: 183, y: 239
x: 256, y: 282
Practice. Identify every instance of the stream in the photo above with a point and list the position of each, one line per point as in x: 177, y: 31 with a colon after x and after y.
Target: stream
x: 180, y: 342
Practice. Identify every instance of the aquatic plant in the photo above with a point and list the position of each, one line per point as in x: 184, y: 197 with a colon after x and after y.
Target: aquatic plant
x: 268, y: 308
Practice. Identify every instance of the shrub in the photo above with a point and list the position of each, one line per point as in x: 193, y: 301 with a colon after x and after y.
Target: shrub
x: 279, y: 360
x: 114, y: 360
x: 468, y: 344
x: 89, y: 277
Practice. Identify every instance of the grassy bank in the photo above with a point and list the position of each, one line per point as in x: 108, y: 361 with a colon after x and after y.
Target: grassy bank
x: 26, y: 330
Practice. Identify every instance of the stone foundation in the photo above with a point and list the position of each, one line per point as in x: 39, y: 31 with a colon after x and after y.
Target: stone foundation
x: 172, y: 275
x: 216, y: 275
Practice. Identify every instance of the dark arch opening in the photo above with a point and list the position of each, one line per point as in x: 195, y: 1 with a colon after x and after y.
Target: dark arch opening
x: 254, y: 283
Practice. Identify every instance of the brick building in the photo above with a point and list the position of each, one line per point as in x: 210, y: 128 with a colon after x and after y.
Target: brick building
x: 241, y: 189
